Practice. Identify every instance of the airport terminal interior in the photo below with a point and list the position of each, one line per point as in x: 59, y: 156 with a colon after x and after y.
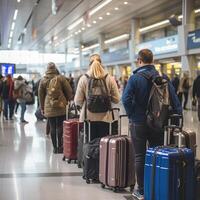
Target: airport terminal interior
x: 34, y: 33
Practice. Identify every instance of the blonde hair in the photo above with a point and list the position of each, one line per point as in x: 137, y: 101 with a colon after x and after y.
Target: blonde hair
x: 96, y: 68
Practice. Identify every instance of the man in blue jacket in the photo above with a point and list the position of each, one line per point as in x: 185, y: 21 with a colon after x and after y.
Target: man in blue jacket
x: 135, y: 100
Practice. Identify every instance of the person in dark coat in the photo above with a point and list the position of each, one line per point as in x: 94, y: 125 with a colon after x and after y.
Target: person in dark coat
x: 196, y: 92
x: 7, y: 94
x: 176, y: 82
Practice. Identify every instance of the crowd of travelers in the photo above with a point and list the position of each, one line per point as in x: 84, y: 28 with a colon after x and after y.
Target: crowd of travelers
x: 54, y: 92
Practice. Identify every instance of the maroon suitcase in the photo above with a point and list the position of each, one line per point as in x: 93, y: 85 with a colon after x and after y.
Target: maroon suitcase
x: 116, y: 168
x: 70, y: 139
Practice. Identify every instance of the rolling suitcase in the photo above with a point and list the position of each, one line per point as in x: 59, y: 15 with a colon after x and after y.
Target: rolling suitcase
x: 70, y: 138
x: 197, y: 180
x: 116, y: 167
x: 115, y: 111
x: 90, y: 157
x: 169, y: 171
x: 188, y: 137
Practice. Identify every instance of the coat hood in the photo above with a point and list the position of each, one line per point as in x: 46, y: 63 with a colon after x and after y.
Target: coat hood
x: 18, y: 84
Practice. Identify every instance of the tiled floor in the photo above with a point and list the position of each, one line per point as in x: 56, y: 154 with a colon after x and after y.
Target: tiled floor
x: 30, y: 171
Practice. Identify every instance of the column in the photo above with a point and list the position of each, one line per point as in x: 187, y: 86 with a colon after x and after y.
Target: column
x: 134, y: 41
x: 101, y: 39
x: 81, y: 63
x: 188, y: 24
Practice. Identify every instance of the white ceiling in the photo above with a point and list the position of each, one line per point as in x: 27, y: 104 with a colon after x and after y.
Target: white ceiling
x: 43, y: 25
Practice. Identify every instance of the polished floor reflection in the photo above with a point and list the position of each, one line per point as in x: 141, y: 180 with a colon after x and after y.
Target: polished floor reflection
x: 30, y: 171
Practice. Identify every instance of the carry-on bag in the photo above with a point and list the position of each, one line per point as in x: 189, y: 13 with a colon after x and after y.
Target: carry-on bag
x: 70, y: 137
x: 115, y: 116
x: 188, y: 137
x: 116, y: 167
x: 169, y: 171
x: 39, y: 115
x: 90, y: 158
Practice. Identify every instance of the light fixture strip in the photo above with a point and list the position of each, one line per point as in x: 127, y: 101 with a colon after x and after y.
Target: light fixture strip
x: 90, y: 47
x: 118, y: 38
x: 11, y: 34
x: 76, y: 23
x: 197, y: 11
x: 13, y: 26
x: 92, y: 12
x: 154, y: 25
x: 15, y: 15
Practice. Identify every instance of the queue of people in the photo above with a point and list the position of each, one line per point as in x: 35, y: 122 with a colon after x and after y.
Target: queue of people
x: 14, y: 92
x: 55, y: 91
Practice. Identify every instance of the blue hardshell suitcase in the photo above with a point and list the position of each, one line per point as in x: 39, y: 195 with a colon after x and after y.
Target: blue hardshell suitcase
x: 169, y: 174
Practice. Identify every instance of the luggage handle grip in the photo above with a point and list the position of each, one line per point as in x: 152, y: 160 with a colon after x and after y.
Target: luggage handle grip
x: 120, y: 124
x: 167, y: 134
x: 89, y: 131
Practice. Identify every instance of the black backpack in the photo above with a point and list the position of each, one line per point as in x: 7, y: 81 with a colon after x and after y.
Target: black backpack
x: 159, y: 102
x: 98, y: 98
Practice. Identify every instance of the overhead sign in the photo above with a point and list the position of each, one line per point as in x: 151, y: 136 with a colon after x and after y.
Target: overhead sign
x: 7, y: 68
x: 160, y: 46
x: 118, y: 55
x: 194, y: 39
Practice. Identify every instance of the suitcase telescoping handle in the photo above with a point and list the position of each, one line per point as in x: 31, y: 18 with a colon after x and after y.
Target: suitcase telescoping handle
x: 167, y: 135
x: 176, y: 120
x: 87, y: 122
x: 113, y: 110
x: 120, y: 124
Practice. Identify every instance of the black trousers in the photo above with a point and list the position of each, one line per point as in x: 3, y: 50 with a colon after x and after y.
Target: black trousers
x: 98, y: 129
x: 140, y: 134
x: 198, y: 108
x: 56, y: 130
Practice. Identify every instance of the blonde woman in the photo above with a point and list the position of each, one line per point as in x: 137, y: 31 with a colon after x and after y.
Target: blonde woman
x: 96, y: 71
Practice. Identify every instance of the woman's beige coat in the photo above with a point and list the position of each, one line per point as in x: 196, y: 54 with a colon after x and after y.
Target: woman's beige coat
x: 81, y: 95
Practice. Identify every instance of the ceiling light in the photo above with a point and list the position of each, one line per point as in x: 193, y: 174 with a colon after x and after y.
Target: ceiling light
x: 76, y: 23
x: 108, y: 13
x: 10, y: 40
x: 125, y: 2
x: 18, y: 1
x: 164, y: 22
x: 90, y: 47
x: 76, y: 33
x: 83, y: 28
x: 71, y: 35
x: 11, y: 34
x: 100, y: 18
x: 82, y: 46
x: 116, y: 8
x: 92, y: 12
x: 197, y: 11
x: 118, y: 38
x: 50, y: 42
x: 13, y: 26
x: 15, y: 15
x: 55, y: 38
x: 88, y: 25
x: 94, y: 22
x: 79, y: 31
x: 180, y: 16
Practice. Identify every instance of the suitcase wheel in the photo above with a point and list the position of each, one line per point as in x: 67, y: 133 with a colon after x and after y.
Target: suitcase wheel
x: 88, y: 181
x: 79, y: 165
x: 115, y: 189
x: 69, y: 161
x: 63, y: 158
x: 102, y: 186
x: 132, y: 188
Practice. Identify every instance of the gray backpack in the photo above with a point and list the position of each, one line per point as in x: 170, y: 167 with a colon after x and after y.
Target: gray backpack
x: 158, y: 103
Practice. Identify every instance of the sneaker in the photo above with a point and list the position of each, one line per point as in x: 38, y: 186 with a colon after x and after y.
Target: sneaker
x: 24, y: 121
x: 136, y: 194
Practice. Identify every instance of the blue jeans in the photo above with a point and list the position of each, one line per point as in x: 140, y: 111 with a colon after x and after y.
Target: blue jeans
x: 140, y: 134
x: 23, y: 109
